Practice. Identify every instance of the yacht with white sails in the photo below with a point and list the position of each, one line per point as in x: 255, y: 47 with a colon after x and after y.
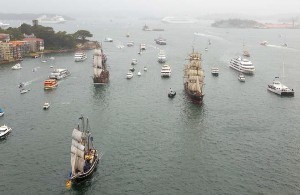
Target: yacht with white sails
x: 80, y: 56
x: 242, y: 65
x: 165, y: 71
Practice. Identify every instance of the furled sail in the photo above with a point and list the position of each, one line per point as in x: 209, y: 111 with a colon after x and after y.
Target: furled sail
x: 97, y: 62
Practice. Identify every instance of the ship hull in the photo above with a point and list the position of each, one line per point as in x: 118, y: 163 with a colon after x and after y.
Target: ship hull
x: 102, y: 79
x: 88, y: 174
x: 196, y: 98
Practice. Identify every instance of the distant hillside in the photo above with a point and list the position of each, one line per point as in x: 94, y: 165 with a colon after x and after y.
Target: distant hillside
x: 27, y: 16
x: 237, y: 23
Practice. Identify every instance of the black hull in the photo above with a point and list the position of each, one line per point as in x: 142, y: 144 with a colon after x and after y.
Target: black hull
x: 171, y: 95
x: 102, y: 79
x: 4, y: 136
x: 196, y: 98
x: 215, y: 74
x: 86, y: 175
x: 287, y: 94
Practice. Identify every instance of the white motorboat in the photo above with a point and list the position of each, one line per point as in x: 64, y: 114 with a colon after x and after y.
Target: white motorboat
x: 160, y: 41
x: 17, y: 66
x: 130, y: 44
x: 134, y: 62
x: 80, y: 56
x: 1, y: 112
x: 165, y: 71
x: 162, y: 56
x: 51, y: 20
x: 59, y: 74
x: 145, y: 68
x: 241, y: 78
x: 129, y: 75
x: 46, y: 105
x: 280, y: 89
x: 22, y: 91
x: 4, y: 131
x: 242, y: 65
x: 142, y: 47
x: 206, y: 49
x: 108, y: 39
x: 139, y: 73
x: 215, y: 71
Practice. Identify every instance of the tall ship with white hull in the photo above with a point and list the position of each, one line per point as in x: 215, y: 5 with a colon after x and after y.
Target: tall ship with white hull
x: 194, y: 78
x: 101, y: 74
x: 242, y: 65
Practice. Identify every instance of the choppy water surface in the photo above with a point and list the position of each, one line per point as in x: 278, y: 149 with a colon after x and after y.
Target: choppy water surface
x: 242, y: 140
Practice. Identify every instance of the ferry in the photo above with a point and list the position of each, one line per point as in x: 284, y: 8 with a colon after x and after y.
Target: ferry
x: 242, y: 65
x: 165, y: 71
x: 80, y: 56
x: 50, y: 84
x: 59, y: 74
x: 278, y: 88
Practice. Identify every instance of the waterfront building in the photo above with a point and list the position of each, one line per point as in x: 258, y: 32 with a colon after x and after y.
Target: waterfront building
x: 35, y: 44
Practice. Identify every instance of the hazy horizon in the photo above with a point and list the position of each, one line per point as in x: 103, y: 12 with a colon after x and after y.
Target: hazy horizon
x: 158, y: 8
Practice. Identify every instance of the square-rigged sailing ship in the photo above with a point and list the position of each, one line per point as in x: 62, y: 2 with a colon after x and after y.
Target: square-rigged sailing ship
x: 101, y: 74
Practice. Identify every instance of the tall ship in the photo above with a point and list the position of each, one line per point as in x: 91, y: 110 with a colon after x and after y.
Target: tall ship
x: 101, y: 74
x: 194, y: 78
x: 242, y: 65
x: 84, y: 157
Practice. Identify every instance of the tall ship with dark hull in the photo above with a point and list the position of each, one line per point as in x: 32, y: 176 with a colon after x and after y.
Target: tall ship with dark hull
x: 194, y: 78
x: 101, y: 74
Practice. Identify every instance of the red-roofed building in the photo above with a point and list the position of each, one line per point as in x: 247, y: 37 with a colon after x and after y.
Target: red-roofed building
x: 4, y: 37
x: 35, y: 44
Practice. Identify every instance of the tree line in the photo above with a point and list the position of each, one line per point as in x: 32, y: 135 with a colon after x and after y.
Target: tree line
x: 52, y: 40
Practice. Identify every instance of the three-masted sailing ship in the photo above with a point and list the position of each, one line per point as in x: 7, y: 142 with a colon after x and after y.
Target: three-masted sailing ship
x: 101, y: 74
x: 194, y: 78
x: 84, y: 157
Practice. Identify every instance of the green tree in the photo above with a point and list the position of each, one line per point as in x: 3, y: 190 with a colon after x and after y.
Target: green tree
x: 82, y: 35
x: 26, y: 28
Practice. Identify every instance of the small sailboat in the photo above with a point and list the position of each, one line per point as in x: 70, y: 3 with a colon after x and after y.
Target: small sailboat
x: 84, y: 157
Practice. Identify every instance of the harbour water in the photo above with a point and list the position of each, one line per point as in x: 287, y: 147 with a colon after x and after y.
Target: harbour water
x: 242, y: 140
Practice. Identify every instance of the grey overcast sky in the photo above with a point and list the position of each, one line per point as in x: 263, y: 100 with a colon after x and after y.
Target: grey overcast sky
x: 152, y: 7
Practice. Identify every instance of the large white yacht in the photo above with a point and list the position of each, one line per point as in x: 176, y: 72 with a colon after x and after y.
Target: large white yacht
x: 162, y: 56
x: 80, y: 56
x: 242, y: 65
x: 280, y: 89
x: 51, y: 20
x: 165, y: 71
x: 59, y: 74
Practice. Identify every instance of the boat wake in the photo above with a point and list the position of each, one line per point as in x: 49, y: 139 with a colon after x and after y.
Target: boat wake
x: 209, y: 36
x: 282, y: 47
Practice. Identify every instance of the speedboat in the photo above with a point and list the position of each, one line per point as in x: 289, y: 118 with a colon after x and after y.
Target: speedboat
x: 80, y: 56
x: 46, y: 105
x: 1, y: 112
x: 17, y: 66
x: 171, y: 94
x: 4, y: 131
x: 242, y: 65
x: 215, y: 71
x: 22, y: 91
x: 134, y: 62
x: 241, y: 78
x: 165, y: 71
x: 280, y: 89
x: 129, y: 75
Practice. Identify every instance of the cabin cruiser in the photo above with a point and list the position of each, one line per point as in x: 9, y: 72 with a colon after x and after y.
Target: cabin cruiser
x: 4, y: 131
x: 241, y: 78
x: 129, y: 75
x: 46, y: 105
x: 242, y: 65
x: 165, y: 71
x: 215, y: 71
x: 280, y: 89
x: 134, y: 62
x: 162, y: 57
x: 59, y: 74
x: 17, y: 66
x: 22, y: 91
x: 160, y: 41
x: 80, y: 56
